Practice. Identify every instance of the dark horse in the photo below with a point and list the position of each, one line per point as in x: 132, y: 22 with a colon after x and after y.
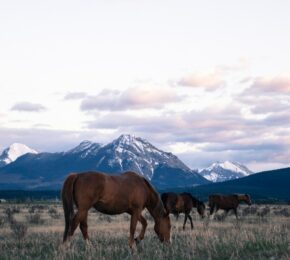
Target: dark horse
x: 182, y: 203
x: 112, y: 195
x: 227, y: 203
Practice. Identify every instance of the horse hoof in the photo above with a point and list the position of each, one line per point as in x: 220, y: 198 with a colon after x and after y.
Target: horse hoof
x: 137, y: 240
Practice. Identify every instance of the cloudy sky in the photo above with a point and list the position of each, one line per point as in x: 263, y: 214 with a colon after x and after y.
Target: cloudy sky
x: 206, y: 80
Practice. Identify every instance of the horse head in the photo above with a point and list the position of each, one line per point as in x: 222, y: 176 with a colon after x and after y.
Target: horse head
x: 248, y: 199
x: 245, y: 198
x: 162, y: 227
x: 201, y: 209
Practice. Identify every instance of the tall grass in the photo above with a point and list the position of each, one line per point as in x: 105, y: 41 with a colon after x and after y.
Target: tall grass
x: 253, y: 237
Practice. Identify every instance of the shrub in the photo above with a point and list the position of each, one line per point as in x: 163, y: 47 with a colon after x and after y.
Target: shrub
x: 2, y: 222
x: 249, y: 211
x: 19, y: 230
x: 53, y: 213
x: 264, y: 212
x: 34, y: 219
x: 283, y: 212
x: 39, y: 208
x: 10, y: 214
x: 104, y: 217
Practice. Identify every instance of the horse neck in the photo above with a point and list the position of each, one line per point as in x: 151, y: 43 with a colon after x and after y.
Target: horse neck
x: 241, y: 198
x: 155, y: 206
x: 195, y: 201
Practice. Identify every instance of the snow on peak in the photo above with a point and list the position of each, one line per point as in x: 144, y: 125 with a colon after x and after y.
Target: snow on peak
x: 127, y: 142
x: 126, y: 139
x: 231, y: 166
x: 14, y: 151
x: 222, y: 171
x: 85, y: 148
x: 81, y: 147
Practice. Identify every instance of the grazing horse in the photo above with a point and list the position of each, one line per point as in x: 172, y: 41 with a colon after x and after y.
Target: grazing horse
x: 227, y: 203
x: 112, y: 195
x: 182, y: 203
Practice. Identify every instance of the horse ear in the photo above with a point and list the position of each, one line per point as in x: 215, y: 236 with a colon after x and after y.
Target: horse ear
x: 166, y: 214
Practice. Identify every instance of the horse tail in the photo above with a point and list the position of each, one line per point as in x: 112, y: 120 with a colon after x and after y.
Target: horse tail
x: 68, y: 201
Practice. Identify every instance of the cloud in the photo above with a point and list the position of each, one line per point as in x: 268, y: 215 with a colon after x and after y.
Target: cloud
x: 281, y: 119
x: 266, y: 95
x: 218, y: 133
x: 132, y: 98
x: 48, y: 140
x: 211, y: 81
x: 28, y: 107
x: 276, y: 85
x: 75, y: 95
x: 264, y: 104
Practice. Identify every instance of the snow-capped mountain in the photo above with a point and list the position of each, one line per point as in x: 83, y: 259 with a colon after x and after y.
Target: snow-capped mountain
x: 136, y: 154
x: 224, y: 171
x: 85, y: 148
x: 14, y: 151
x: 126, y: 153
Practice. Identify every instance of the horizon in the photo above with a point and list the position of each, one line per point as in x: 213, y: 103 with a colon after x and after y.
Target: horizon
x: 206, y: 81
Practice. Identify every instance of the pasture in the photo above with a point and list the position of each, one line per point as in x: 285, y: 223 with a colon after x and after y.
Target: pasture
x: 34, y: 231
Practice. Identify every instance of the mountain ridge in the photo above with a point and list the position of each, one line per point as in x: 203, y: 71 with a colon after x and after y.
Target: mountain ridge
x: 266, y: 186
x: 48, y: 170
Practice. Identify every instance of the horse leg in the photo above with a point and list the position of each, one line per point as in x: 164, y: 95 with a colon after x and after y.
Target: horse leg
x: 212, y: 209
x: 142, y: 233
x: 236, y: 213
x: 84, y: 226
x: 225, y: 214
x: 190, y: 221
x: 133, y: 223
x: 76, y: 220
x: 185, y: 219
x: 176, y: 216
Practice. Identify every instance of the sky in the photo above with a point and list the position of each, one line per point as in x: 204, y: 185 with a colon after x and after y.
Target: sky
x: 206, y: 80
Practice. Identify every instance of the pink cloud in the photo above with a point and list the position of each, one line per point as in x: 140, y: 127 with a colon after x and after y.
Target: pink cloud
x: 132, y: 98
x: 275, y: 85
x: 211, y: 81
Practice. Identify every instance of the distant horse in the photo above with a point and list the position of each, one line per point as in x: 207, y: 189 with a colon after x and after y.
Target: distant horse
x: 227, y: 203
x: 112, y: 195
x: 182, y: 203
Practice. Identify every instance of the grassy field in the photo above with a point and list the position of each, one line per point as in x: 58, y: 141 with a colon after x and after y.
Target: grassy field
x: 34, y: 231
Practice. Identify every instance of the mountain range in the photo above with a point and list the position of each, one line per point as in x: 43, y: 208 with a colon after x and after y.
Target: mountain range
x: 126, y: 153
x: 22, y: 168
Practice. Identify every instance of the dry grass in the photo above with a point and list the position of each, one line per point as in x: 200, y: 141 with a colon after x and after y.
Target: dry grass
x: 261, y: 233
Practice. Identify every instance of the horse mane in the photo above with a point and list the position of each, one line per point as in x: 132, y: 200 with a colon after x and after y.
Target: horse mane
x: 195, y: 201
x: 240, y: 197
x: 158, y: 207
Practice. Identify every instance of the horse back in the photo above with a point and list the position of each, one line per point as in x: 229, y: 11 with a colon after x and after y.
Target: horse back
x: 111, y: 194
x: 169, y: 200
x: 223, y: 202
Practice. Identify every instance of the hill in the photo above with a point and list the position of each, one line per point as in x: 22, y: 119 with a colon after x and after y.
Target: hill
x: 264, y: 186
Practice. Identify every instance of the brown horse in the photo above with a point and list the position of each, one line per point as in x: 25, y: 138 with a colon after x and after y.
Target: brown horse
x: 227, y: 203
x: 182, y: 203
x: 112, y: 195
